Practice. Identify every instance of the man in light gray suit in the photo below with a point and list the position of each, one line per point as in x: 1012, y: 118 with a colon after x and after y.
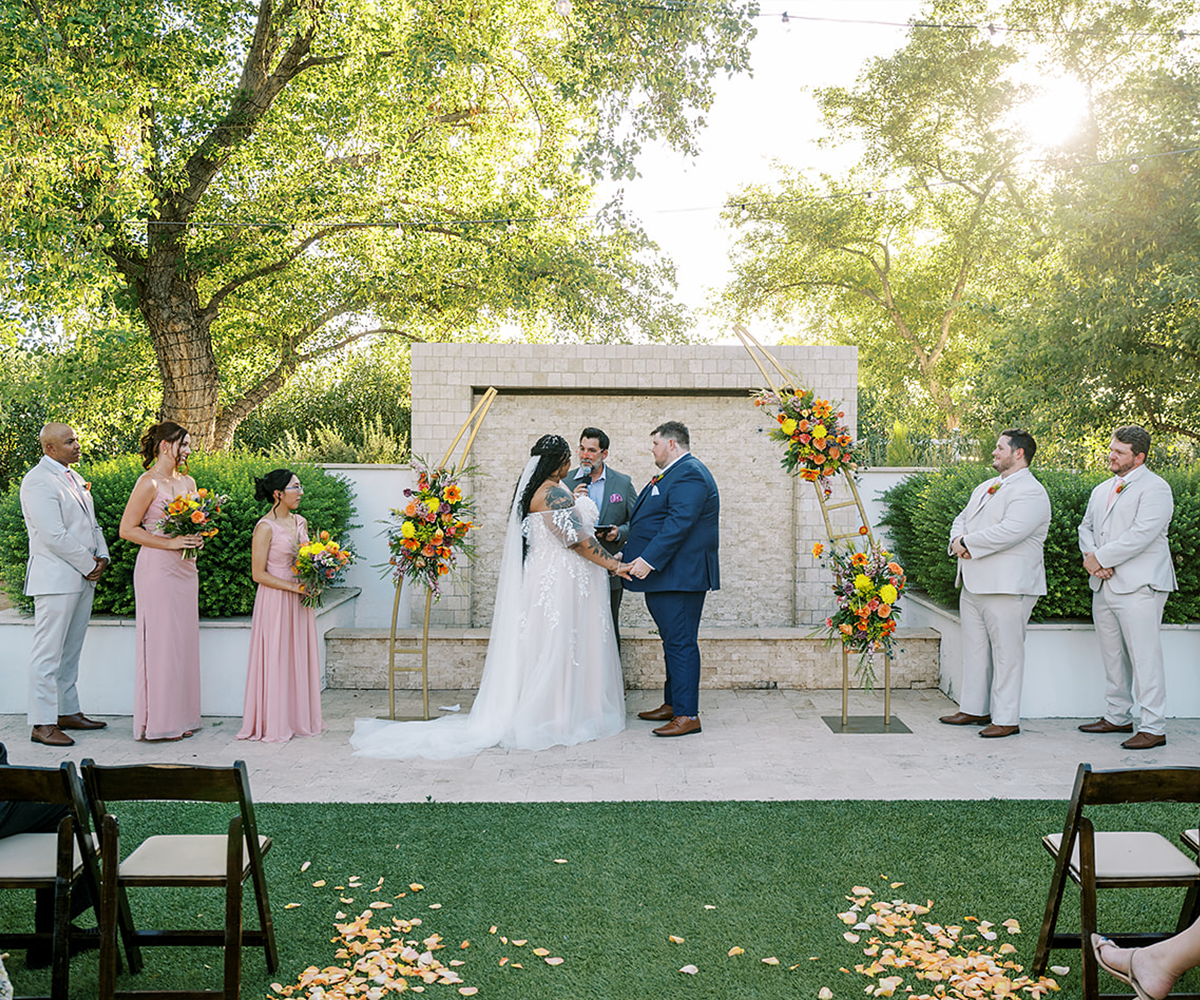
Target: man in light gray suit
x: 998, y: 540
x: 614, y: 496
x: 67, y: 555
x: 1123, y: 538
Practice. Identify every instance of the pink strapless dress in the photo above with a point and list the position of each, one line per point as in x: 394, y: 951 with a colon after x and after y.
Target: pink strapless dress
x: 283, y: 682
x: 166, y: 692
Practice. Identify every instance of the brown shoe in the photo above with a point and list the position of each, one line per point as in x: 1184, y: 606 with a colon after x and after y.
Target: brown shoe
x: 962, y: 719
x: 79, y: 721
x: 998, y: 732
x: 1145, y: 741
x: 664, y: 713
x: 1104, y: 726
x: 51, y: 736
x: 680, y: 725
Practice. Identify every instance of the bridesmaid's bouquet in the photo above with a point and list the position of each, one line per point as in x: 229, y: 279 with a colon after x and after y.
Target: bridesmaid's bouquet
x: 192, y: 514
x: 320, y: 564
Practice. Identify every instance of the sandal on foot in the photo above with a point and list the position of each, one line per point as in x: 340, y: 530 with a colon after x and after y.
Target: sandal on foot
x: 1128, y: 978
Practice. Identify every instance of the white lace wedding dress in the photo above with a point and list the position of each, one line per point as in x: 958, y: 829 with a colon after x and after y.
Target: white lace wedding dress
x: 552, y: 675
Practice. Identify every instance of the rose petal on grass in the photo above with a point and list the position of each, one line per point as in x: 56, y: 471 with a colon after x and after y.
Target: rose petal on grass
x: 709, y: 906
x: 379, y: 904
x: 1013, y: 925
x: 690, y: 970
x: 770, y: 961
x: 318, y: 883
x: 560, y: 861
x: 851, y: 937
x: 346, y: 899
x: 457, y: 961
x: 492, y: 929
x: 735, y: 950
x: 468, y: 991
x: 825, y: 993
x: 541, y: 951
x: 523, y: 941
x: 504, y: 961
x: 554, y: 961
x: 291, y: 906
x: 432, y: 906
x: 306, y: 866
x: 503, y: 939
x: 862, y: 890
x: 416, y: 886
x: 465, y: 944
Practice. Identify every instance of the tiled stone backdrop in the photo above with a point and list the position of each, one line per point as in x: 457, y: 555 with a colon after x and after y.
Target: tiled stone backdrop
x: 768, y: 519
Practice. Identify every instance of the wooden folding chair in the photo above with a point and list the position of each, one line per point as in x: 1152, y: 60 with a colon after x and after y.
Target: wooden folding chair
x: 222, y: 861
x: 63, y: 861
x: 1116, y: 860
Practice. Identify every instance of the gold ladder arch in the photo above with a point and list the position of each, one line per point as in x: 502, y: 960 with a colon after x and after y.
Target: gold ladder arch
x: 763, y: 359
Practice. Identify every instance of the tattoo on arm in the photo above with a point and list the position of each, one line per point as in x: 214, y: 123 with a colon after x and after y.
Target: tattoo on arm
x: 558, y: 498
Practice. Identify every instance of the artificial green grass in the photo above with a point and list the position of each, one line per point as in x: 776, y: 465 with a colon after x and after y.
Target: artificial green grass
x: 777, y: 874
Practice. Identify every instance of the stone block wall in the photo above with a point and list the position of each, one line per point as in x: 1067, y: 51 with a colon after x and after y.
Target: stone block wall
x: 769, y: 520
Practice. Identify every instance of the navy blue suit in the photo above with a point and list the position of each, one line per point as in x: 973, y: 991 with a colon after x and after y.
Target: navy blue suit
x: 675, y: 528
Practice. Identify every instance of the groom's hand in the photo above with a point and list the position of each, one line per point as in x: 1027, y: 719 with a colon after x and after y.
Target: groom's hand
x: 640, y: 568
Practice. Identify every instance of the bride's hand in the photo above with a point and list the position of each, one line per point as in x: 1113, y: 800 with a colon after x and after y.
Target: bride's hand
x: 623, y: 570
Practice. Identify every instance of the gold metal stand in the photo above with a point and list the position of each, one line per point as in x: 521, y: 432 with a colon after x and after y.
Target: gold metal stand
x: 473, y: 422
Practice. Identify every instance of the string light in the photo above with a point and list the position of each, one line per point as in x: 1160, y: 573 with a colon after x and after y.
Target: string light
x: 563, y: 7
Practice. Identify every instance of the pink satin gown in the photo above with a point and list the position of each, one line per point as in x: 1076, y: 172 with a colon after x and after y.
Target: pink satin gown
x: 283, y: 682
x: 166, y: 694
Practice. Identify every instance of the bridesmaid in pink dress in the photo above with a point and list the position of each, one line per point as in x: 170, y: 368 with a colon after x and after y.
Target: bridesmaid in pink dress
x: 283, y: 682
x: 166, y: 695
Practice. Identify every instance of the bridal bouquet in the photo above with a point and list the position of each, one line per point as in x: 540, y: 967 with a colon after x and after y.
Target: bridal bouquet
x: 868, y: 585
x: 192, y: 514
x: 427, y: 537
x: 817, y: 446
x: 320, y: 564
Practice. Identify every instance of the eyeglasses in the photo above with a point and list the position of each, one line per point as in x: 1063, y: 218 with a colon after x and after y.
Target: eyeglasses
x: 297, y: 488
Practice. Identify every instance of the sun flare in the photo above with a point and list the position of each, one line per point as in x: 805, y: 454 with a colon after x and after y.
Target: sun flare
x: 1055, y: 112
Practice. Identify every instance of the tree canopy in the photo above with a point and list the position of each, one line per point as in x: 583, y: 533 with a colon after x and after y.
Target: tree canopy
x: 254, y: 185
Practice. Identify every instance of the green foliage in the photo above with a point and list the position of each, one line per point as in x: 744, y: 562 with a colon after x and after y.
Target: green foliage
x: 899, y: 448
x: 922, y: 508
x: 375, y: 444
x: 226, y: 587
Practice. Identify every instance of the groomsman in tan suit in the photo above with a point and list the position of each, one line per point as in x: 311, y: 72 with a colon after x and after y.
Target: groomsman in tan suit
x: 1123, y: 538
x: 67, y: 554
x: 998, y: 539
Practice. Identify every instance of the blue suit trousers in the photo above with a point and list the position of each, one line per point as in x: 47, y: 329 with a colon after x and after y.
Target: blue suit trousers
x: 677, y: 615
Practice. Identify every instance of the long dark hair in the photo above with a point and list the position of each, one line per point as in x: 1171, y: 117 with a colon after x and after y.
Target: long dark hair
x: 551, y: 451
x: 274, y: 481
x: 169, y: 431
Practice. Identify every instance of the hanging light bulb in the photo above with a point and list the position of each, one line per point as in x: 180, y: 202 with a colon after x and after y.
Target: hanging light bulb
x: 1133, y: 167
x: 786, y: 21
x: 563, y: 7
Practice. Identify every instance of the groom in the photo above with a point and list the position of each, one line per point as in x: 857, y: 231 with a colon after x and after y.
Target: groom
x: 672, y: 545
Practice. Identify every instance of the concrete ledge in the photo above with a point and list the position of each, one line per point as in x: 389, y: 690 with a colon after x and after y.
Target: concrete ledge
x: 1064, y: 677
x: 106, y: 665
x: 745, y: 658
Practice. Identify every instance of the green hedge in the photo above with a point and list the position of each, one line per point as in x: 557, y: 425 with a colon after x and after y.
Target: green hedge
x: 922, y: 508
x: 226, y: 587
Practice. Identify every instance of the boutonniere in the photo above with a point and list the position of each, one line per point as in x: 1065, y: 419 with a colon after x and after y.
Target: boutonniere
x: 87, y: 485
x: 1120, y: 487
x: 615, y: 498
x: 654, y: 479
x: 992, y: 489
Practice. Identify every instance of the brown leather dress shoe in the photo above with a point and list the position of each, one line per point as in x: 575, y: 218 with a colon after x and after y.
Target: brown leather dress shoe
x: 79, y: 721
x: 1145, y: 741
x: 998, y: 732
x: 680, y: 725
x: 962, y: 719
x: 1104, y: 726
x: 664, y: 713
x: 51, y: 736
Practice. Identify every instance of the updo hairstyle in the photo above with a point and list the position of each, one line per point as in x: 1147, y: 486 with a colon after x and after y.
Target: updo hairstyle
x: 274, y: 481
x: 551, y: 451
x: 168, y: 431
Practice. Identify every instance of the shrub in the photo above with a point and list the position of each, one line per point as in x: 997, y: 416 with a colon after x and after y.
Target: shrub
x: 922, y: 509
x: 375, y: 444
x: 226, y: 587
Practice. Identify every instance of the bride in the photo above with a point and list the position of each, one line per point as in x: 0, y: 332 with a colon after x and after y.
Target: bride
x: 552, y: 675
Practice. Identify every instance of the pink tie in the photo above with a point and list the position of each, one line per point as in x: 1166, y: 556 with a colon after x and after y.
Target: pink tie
x: 1112, y: 494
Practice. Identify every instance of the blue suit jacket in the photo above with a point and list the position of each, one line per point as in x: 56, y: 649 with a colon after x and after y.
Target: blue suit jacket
x: 677, y: 530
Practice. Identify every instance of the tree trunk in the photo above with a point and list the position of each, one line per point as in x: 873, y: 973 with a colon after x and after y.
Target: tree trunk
x: 179, y: 330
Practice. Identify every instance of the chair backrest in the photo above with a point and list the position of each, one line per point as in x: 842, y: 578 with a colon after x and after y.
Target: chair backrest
x: 170, y: 783
x: 1143, y: 784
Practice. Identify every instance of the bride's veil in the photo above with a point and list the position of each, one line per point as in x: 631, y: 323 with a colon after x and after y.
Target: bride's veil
x: 500, y: 687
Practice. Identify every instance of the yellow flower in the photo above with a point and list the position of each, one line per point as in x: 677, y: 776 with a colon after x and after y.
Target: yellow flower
x: 788, y: 427
x: 433, y: 503
x: 819, y: 431
x: 888, y: 594
x: 862, y: 582
x: 407, y: 529
x: 818, y: 548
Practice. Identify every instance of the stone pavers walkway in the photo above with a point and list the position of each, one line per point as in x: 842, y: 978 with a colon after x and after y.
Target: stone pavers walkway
x: 755, y: 745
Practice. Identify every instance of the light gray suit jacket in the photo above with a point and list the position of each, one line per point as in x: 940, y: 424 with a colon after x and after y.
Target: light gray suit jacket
x: 1130, y: 534
x: 64, y: 537
x: 1005, y: 534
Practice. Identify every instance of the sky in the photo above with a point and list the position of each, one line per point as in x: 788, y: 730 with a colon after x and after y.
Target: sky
x: 768, y: 116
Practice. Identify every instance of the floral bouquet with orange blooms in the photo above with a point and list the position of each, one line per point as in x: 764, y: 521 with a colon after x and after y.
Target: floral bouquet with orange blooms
x: 867, y: 585
x: 817, y: 445
x: 192, y: 514
x: 320, y: 564
x: 427, y: 537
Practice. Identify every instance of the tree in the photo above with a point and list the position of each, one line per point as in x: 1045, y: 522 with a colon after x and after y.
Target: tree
x: 254, y: 185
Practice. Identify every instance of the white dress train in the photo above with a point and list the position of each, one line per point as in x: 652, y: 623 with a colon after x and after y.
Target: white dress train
x: 552, y: 675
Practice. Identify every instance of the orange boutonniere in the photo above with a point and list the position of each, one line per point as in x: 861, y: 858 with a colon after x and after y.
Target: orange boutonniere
x: 87, y: 485
x: 654, y: 479
x: 992, y: 489
x: 1120, y: 487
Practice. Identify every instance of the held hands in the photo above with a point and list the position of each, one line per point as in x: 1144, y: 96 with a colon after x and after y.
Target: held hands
x: 639, y: 568
x: 101, y: 566
x: 623, y: 570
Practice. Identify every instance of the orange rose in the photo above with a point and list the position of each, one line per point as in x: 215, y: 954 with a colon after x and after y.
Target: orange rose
x: 845, y: 629
x: 428, y: 551
x: 198, y: 517
x: 884, y: 610
x: 819, y: 458
x: 410, y: 510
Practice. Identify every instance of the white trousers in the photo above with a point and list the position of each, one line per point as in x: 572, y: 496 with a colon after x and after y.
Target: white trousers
x: 60, y: 624
x: 993, y: 638
x: 1128, y: 626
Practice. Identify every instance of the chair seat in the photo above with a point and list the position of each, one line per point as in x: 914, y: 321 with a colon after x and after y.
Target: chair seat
x: 1192, y: 839
x: 186, y: 858
x: 1134, y: 855
x: 28, y: 858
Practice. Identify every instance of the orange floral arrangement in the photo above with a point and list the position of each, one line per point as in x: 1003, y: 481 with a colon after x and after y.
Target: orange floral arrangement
x: 817, y: 444
x: 868, y: 585
x: 429, y: 534
x: 192, y: 514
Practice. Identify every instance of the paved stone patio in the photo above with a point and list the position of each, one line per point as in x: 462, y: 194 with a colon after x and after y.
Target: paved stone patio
x: 755, y: 745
